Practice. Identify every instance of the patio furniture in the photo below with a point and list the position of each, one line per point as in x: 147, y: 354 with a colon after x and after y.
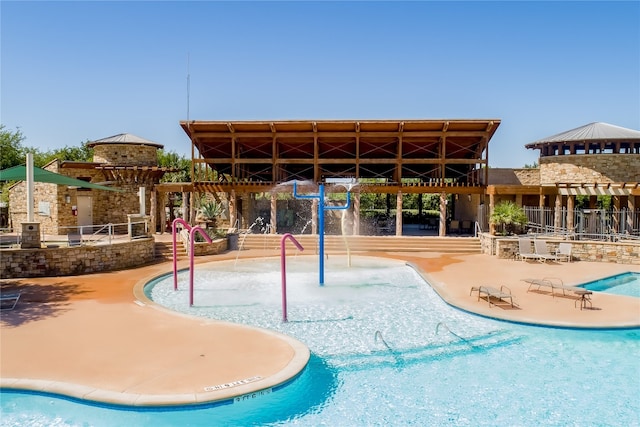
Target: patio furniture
x: 564, y: 252
x: 524, y: 250
x: 8, y: 301
x: 551, y: 282
x: 543, y: 252
x: 502, y: 294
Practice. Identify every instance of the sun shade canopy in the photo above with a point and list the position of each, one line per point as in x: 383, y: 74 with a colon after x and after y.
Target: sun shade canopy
x: 19, y: 173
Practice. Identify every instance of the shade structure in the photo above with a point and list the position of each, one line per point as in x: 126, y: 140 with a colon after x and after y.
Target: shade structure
x: 19, y: 173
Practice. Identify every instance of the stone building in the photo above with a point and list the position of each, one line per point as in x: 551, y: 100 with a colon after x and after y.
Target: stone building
x: 597, y: 159
x: 123, y: 161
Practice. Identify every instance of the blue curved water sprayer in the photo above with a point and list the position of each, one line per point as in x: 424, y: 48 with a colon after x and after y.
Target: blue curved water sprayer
x: 321, y: 209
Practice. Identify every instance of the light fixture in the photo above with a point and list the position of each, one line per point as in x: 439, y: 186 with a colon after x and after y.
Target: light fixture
x: 67, y: 198
x: 469, y: 197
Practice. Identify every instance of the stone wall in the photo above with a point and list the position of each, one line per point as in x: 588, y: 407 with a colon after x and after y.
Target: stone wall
x: 622, y: 252
x: 64, y: 261
x: 523, y: 176
x: 126, y: 154
x: 590, y: 168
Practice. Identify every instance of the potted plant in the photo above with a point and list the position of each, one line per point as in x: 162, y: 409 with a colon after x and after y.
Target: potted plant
x: 208, y: 214
x: 507, y: 214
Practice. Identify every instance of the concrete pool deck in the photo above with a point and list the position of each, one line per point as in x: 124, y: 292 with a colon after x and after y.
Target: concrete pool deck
x: 95, y: 337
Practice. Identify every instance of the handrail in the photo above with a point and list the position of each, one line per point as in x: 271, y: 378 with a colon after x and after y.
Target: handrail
x: 476, y: 229
x: 175, y: 256
x: 283, y: 268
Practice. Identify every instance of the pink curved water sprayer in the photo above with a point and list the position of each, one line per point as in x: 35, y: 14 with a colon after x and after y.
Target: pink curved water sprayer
x: 192, y: 232
x: 283, y: 268
x: 174, y: 227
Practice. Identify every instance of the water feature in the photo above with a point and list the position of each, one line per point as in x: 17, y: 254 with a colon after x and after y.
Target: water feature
x: 384, y: 353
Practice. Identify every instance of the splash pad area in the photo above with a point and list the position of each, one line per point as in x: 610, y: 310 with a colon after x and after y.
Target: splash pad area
x: 386, y: 350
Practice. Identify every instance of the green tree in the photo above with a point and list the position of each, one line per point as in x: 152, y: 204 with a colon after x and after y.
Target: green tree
x: 11, y: 150
x: 171, y: 159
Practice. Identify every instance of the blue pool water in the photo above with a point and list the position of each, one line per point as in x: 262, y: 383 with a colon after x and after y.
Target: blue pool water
x: 620, y: 284
x: 386, y: 351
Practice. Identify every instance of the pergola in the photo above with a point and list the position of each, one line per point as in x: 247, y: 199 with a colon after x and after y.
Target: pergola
x: 443, y: 156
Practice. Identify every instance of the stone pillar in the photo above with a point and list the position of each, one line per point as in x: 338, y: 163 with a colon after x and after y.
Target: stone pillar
x: 153, y: 212
x: 492, y: 205
x: 570, y: 212
x: 557, y: 214
x: 314, y: 216
x: 163, y: 213
x: 399, y: 214
x: 30, y: 238
x: 443, y: 215
x: 543, y: 219
x: 274, y: 212
x: 233, y: 210
x: 616, y: 216
x: 631, y: 209
x: 356, y: 214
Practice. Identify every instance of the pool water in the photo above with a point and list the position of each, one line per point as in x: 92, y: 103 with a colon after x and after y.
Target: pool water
x: 621, y: 284
x: 386, y: 351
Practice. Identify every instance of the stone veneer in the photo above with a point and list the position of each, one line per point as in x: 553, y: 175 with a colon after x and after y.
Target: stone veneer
x: 126, y: 154
x: 622, y: 252
x: 523, y: 176
x: 590, y: 168
x: 64, y: 261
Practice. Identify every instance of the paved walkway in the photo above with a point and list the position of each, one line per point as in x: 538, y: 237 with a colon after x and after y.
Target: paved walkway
x: 94, y: 337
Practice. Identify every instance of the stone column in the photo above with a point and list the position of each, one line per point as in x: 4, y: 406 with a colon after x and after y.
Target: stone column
x: 616, y: 216
x: 492, y: 205
x: 557, y: 214
x: 30, y: 238
x: 274, y: 212
x: 443, y: 215
x: 153, y: 212
x: 233, y: 211
x: 631, y: 209
x: 543, y: 219
x: 570, y: 212
x: 399, y: 214
x: 163, y: 213
x: 314, y: 216
x: 356, y: 213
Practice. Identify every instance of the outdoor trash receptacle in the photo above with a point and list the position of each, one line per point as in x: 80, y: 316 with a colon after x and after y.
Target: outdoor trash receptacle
x: 232, y: 239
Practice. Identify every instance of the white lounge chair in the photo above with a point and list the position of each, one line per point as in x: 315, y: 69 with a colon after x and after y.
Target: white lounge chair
x: 543, y: 252
x: 524, y: 250
x: 564, y: 252
x: 551, y: 282
x: 502, y: 294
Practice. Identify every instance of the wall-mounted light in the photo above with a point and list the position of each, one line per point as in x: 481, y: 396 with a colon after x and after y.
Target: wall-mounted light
x: 67, y: 198
x: 469, y: 197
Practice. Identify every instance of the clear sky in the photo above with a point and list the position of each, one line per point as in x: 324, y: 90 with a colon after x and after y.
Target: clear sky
x: 77, y: 71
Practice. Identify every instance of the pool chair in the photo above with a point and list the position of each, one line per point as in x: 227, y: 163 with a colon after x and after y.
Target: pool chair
x: 543, y: 252
x: 564, y: 252
x: 8, y: 301
x: 502, y: 294
x: 550, y: 282
x: 75, y: 239
x: 524, y: 250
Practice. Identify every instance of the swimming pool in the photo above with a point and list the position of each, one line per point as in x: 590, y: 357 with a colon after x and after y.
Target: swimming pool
x: 621, y: 284
x: 386, y: 351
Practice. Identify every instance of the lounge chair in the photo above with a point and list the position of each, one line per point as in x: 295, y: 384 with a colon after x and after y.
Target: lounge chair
x: 551, y: 282
x: 543, y: 252
x: 8, y: 301
x: 524, y: 250
x: 75, y: 239
x: 502, y: 294
x: 564, y: 252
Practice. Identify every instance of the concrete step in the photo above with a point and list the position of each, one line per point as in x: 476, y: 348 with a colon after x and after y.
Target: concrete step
x: 466, y: 245
x: 164, y: 250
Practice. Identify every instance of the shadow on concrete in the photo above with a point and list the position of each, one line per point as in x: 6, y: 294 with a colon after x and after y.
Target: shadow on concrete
x: 37, y: 301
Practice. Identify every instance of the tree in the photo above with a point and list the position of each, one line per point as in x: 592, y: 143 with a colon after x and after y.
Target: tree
x: 11, y: 151
x: 508, y: 214
x: 170, y: 159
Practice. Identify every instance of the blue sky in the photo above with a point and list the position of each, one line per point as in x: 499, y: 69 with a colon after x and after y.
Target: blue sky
x: 77, y: 71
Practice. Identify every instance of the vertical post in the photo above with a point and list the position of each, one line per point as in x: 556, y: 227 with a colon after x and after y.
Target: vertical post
x: 492, y: 205
x: 142, y: 196
x: 356, y: 214
x: 321, y: 232
x: 442, y: 231
x: 274, y: 212
x: 399, y: 214
x: 570, y: 213
x: 631, y: 209
x: 30, y: 187
x: 557, y: 212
